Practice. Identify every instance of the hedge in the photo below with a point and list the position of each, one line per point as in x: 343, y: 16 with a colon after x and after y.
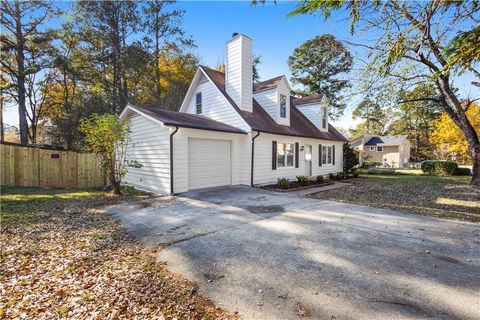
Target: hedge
x: 439, y: 168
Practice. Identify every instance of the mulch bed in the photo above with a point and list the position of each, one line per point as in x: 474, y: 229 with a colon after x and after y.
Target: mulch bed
x: 295, y: 185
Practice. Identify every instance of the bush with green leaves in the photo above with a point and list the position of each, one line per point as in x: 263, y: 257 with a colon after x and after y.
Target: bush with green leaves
x: 283, y: 183
x: 107, y: 136
x: 350, y: 158
x: 331, y: 176
x: 339, y: 176
x: 355, y: 174
x: 303, y: 180
x: 370, y: 164
x: 320, y: 179
x: 439, y: 168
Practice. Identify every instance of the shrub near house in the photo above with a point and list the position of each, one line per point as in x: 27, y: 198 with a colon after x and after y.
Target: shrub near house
x: 442, y: 168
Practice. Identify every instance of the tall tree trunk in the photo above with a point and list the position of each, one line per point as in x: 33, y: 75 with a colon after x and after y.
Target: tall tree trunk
x: 2, y: 129
x: 453, y: 108
x: 22, y: 109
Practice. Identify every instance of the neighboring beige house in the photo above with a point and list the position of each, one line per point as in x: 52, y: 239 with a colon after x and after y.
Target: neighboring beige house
x: 390, y: 151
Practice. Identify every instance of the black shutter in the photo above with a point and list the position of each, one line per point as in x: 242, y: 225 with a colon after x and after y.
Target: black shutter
x: 274, y: 155
x: 296, y: 154
x: 333, y: 154
x: 319, y: 155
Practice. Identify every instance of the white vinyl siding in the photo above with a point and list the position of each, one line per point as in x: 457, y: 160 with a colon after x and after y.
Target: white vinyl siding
x: 149, y: 145
x: 239, y: 85
x: 263, y: 172
x: 209, y: 163
x: 215, y: 106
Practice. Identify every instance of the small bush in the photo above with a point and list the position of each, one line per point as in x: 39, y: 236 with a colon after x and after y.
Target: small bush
x: 283, y: 183
x: 339, y: 176
x: 439, y: 168
x: 370, y: 164
x: 320, y: 179
x: 303, y: 180
x: 355, y: 174
x: 331, y: 176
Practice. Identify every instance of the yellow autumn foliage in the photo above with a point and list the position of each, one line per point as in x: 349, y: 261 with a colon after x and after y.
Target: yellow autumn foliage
x: 448, y: 137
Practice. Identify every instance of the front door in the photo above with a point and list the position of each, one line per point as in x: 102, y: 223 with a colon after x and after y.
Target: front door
x: 308, y: 160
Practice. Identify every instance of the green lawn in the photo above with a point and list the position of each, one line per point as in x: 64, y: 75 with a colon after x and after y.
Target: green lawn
x: 444, y: 197
x: 62, y: 257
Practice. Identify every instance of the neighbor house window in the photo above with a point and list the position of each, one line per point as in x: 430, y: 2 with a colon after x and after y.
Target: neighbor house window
x: 326, y: 154
x: 284, y: 155
x: 372, y: 148
x: 324, y: 118
x: 380, y: 149
x: 283, y: 106
x: 198, y: 102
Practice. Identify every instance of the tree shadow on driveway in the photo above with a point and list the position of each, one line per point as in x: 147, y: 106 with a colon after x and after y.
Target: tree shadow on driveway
x: 315, y: 258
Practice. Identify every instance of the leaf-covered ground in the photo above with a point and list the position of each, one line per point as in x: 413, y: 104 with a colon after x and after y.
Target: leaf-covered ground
x: 443, y: 197
x: 62, y: 258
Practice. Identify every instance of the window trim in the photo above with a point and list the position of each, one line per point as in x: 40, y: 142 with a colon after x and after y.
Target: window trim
x: 198, y: 104
x: 284, y: 107
x: 285, y: 159
x: 327, y: 154
x: 324, y: 118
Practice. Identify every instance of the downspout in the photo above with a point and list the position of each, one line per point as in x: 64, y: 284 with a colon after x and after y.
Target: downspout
x: 171, y: 159
x: 253, y: 157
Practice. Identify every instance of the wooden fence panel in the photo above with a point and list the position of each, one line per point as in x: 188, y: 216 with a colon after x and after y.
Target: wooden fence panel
x: 35, y: 167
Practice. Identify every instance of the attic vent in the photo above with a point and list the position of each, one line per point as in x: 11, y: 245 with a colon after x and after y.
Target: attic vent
x: 234, y: 34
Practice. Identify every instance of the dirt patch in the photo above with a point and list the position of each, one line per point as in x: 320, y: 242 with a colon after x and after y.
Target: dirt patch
x: 295, y: 185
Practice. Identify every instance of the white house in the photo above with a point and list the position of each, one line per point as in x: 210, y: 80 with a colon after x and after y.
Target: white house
x: 230, y: 131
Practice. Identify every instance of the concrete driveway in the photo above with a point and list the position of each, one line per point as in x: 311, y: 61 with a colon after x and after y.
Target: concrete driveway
x: 269, y: 255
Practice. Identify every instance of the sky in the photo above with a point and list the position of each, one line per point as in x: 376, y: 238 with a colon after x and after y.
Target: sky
x: 274, y: 35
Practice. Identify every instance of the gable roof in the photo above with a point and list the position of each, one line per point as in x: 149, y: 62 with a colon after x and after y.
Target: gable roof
x: 267, y: 84
x: 386, y: 140
x: 259, y: 120
x: 184, y: 120
x: 308, y: 99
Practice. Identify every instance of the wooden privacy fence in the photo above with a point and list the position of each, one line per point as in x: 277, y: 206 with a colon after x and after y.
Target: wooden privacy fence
x: 35, y: 167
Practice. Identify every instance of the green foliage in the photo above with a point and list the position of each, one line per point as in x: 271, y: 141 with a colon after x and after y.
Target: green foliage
x: 283, y: 183
x: 331, y: 176
x: 339, y: 176
x: 439, y: 168
x: 370, y: 164
x: 350, y: 158
x: 317, y: 65
x: 355, y: 174
x: 107, y: 137
x: 303, y: 180
x: 463, y: 50
x: 255, y: 72
x: 320, y: 179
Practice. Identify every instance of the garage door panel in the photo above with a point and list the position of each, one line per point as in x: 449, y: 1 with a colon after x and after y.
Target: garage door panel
x: 209, y: 163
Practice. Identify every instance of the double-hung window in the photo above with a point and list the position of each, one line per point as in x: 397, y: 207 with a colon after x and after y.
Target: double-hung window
x: 372, y: 148
x: 326, y: 154
x: 198, y: 102
x: 380, y: 149
x: 324, y: 118
x: 285, y: 155
x: 283, y: 106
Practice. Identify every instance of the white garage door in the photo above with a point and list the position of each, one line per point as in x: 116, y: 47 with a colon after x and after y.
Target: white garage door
x: 209, y: 163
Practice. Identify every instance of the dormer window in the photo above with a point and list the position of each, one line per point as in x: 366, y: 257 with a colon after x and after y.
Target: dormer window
x: 283, y: 106
x: 198, y: 102
x: 324, y: 118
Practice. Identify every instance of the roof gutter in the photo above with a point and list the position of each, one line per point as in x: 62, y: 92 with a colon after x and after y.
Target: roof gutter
x: 253, y: 157
x: 171, y: 160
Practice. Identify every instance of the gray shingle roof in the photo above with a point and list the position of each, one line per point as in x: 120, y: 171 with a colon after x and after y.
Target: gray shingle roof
x: 185, y: 120
x: 386, y: 140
